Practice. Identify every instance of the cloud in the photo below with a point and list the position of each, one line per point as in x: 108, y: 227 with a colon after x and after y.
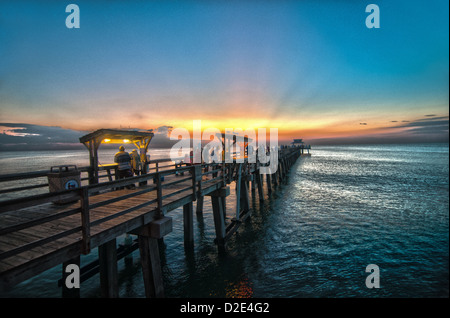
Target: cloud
x: 432, y: 127
x: 16, y: 131
x: 164, y: 130
x: 434, y: 119
x: 34, y: 137
x: 427, y: 123
x: 363, y: 124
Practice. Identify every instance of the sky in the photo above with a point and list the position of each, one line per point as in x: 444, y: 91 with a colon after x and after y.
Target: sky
x: 312, y: 69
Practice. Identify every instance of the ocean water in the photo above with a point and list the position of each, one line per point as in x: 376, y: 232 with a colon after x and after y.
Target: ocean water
x: 341, y: 209
x: 16, y: 161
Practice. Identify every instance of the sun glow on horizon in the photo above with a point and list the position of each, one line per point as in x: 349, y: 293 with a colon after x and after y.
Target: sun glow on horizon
x: 308, y: 69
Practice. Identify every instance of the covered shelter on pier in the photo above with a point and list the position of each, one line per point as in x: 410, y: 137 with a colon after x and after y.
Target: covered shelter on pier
x: 297, y: 143
x: 300, y: 144
x: 92, y: 141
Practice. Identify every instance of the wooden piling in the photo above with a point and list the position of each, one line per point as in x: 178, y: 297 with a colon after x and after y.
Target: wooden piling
x: 219, y: 220
x: 269, y: 183
x: 224, y: 207
x: 199, y: 207
x: 243, y: 198
x: 148, y: 237
x: 253, y: 185
x: 239, y: 184
x: 188, y: 223
x: 151, y: 266
x: 281, y: 174
x: 108, y: 269
x: 275, y: 176
x: 259, y: 183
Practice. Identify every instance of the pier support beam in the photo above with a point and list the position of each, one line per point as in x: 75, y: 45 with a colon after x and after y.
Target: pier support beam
x: 151, y: 266
x: 148, y: 237
x: 240, y: 181
x: 269, y: 183
x: 224, y: 207
x: 219, y: 220
x: 253, y: 185
x: 188, y: 223
x: 199, y: 207
x: 280, y: 173
x: 243, y: 198
x: 259, y: 184
x: 107, y: 255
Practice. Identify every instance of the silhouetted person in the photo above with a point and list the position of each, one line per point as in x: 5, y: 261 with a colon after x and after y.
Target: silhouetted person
x: 135, y: 162
x: 123, y: 159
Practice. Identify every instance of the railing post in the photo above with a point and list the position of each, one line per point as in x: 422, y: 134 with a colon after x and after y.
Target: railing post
x: 224, y: 180
x: 198, y: 177
x: 194, y: 175
x: 159, y: 213
x: 85, y: 222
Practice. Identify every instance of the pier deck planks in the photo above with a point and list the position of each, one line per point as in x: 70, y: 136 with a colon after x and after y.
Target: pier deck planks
x: 54, y: 252
x: 37, y: 258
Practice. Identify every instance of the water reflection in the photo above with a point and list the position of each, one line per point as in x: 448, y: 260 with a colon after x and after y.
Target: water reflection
x: 240, y: 289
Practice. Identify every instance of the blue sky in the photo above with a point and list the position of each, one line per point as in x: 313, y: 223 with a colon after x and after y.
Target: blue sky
x: 309, y: 68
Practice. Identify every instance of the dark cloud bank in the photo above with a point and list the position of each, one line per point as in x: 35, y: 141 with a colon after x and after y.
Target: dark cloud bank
x: 16, y: 137
x: 432, y: 129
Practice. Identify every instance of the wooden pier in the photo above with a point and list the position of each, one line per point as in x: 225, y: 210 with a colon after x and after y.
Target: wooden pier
x: 36, y: 234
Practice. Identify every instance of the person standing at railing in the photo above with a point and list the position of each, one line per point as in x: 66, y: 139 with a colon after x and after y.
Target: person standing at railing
x: 123, y: 159
x: 135, y: 162
x: 188, y: 159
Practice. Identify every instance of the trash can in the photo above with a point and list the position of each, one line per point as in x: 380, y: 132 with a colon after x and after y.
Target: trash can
x: 63, y: 177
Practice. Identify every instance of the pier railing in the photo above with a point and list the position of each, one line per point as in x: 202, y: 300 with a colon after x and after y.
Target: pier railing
x: 37, y: 180
x: 11, y: 185
x: 200, y: 177
x: 37, y: 231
